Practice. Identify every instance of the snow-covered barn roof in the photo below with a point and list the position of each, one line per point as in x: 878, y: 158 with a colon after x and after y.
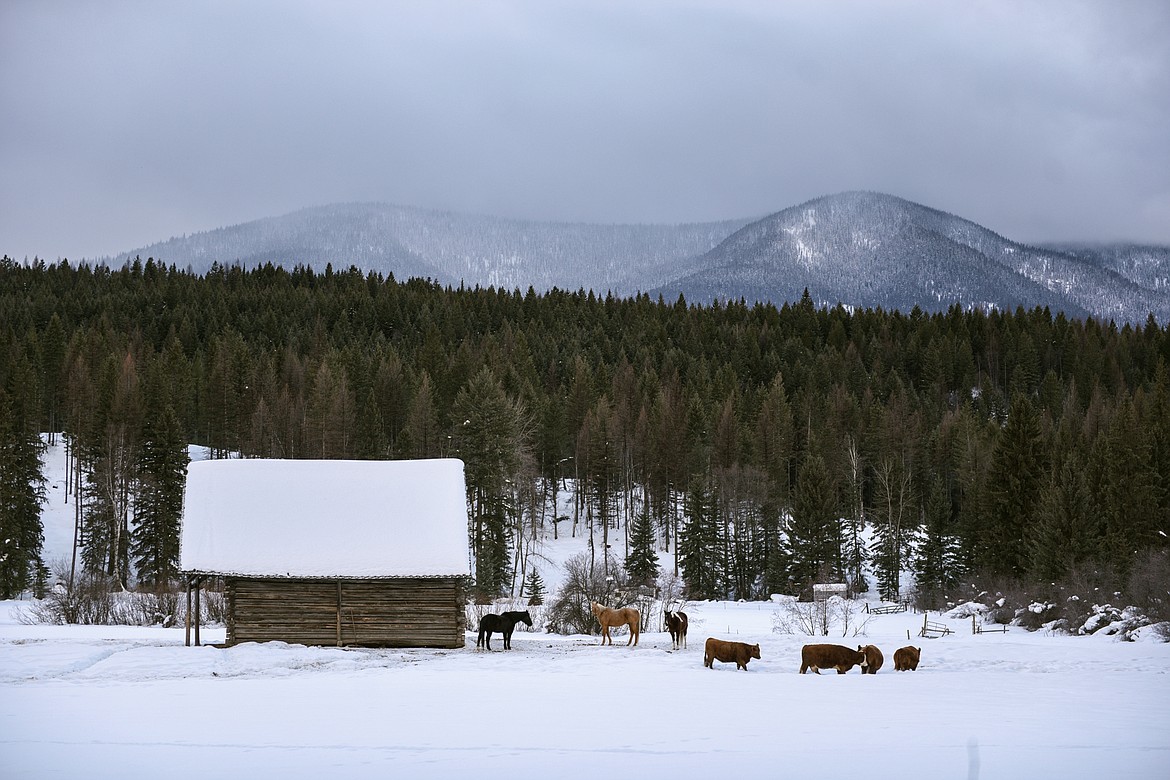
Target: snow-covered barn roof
x: 325, y: 518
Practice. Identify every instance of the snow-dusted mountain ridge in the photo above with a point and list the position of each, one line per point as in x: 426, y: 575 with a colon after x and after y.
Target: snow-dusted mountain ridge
x: 451, y: 248
x: 868, y: 249
x: 862, y: 249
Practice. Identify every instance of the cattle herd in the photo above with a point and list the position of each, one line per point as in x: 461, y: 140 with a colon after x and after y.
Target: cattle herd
x: 814, y: 657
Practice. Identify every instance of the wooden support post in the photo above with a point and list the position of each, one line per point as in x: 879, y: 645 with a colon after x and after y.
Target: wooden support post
x: 187, y: 640
x: 198, y: 586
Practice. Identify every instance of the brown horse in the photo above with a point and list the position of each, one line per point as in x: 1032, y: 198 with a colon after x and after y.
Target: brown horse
x: 676, y: 624
x: 610, y: 618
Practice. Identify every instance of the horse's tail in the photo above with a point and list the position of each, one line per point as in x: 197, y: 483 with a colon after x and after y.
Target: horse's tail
x: 479, y: 639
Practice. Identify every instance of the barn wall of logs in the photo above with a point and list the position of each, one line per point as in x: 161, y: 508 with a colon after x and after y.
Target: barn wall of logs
x: 400, y: 612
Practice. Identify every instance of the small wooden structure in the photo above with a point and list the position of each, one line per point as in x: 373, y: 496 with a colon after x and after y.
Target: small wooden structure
x: 825, y: 591
x: 369, y: 553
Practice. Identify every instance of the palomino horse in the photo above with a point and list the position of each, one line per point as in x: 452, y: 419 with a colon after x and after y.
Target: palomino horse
x: 611, y: 618
x: 676, y: 624
x: 504, y: 623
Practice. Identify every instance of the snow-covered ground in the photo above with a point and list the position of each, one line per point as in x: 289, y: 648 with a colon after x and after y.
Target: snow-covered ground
x: 120, y: 702
x: 117, y: 702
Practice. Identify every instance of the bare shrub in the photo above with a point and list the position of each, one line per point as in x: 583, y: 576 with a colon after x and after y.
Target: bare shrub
x: 163, y: 606
x: 212, y: 605
x: 1149, y: 584
x: 670, y: 593
x: 818, y: 618
x: 849, y: 615
x: 570, y: 611
x: 89, y: 602
x: 96, y: 599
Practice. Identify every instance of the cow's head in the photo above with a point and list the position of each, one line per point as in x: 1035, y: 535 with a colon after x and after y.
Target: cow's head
x: 755, y: 651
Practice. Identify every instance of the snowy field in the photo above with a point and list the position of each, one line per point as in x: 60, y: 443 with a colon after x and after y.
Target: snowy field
x: 116, y: 702
x: 119, y: 702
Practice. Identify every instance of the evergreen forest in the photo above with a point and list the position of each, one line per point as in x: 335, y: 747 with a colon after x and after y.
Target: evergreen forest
x: 769, y: 447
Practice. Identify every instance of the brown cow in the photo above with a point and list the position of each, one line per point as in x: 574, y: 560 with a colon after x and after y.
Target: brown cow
x: 839, y: 657
x: 873, y: 659
x: 740, y: 652
x: 906, y: 658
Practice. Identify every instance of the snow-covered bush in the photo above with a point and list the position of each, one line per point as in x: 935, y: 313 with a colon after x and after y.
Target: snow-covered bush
x: 1036, y: 615
x: 1108, y: 620
x: 966, y: 610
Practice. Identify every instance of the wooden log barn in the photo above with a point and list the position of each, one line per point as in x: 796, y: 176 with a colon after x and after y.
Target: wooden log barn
x: 329, y: 552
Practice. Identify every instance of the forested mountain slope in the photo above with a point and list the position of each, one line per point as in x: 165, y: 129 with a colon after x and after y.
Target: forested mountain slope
x: 756, y: 443
x: 451, y: 248
x: 868, y: 250
x: 1146, y: 266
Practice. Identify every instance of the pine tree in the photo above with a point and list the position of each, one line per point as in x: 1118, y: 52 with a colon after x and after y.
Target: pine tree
x: 893, y: 527
x: 1013, y: 490
x: 1129, y: 494
x: 109, y: 453
x: 814, y: 534
x: 1067, y: 529
x: 158, y: 499
x: 774, y: 437
x: 534, y: 587
x: 853, y: 550
x: 642, y: 562
x: 421, y: 437
x: 22, y: 491
x: 699, y: 546
x: 937, y: 561
x: 490, y: 435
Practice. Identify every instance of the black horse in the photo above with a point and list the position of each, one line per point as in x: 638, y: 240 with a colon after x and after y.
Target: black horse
x: 504, y: 623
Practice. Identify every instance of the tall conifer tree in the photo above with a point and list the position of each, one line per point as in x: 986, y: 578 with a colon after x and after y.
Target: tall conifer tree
x: 814, y: 535
x: 158, y: 498
x: 1013, y: 490
x: 22, y: 492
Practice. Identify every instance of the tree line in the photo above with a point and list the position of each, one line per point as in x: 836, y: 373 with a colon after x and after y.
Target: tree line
x: 767, y: 447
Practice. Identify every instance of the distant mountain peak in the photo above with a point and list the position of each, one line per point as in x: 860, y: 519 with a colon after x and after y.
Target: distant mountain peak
x: 858, y: 248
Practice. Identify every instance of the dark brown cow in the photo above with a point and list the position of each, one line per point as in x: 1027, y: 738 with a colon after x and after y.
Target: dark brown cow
x: 906, y: 658
x: 873, y: 659
x: 839, y: 657
x: 739, y: 652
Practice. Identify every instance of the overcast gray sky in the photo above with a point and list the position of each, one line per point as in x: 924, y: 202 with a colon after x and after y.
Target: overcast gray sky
x: 123, y: 123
